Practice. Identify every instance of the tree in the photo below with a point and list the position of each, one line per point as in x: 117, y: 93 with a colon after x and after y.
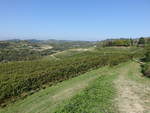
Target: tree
x: 141, y: 41
x: 131, y: 42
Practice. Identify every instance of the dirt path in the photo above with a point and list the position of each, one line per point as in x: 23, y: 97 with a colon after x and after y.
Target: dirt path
x: 131, y: 93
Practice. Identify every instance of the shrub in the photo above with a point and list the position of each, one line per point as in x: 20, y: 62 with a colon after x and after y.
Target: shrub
x: 146, y: 69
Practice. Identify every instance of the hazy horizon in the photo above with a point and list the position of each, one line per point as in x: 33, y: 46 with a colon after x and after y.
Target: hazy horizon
x: 70, y: 39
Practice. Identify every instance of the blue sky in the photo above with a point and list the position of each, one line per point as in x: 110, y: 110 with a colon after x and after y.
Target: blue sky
x: 74, y: 19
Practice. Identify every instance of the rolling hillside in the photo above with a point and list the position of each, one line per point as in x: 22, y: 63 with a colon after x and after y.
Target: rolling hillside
x: 73, y: 79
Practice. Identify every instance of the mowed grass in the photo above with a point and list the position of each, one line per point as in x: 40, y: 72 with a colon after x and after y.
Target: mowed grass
x: 97, y: 98
x: 47, y: 100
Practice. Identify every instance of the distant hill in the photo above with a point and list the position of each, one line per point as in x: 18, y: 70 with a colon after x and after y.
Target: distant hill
x: 18, y: 50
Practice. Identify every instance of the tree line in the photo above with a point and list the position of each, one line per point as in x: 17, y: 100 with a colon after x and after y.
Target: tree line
x: 126, y: 42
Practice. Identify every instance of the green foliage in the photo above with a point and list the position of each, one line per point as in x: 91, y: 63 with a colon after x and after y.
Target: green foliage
x: 146, y: 69
x: 121, y: 42
x: 141, y: 41
x: 147, y: 57
x: 18, y: 51
x: 18, y: 55
x: 116, y: 42
x: 147, y: 54
x: 146, y: 60
x: 95, y: 99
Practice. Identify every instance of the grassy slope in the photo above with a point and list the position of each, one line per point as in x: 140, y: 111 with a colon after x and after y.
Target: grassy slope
x: 97, y: 98
x: 67, y: 53
x: 49, y: 98
x: 121, y: 90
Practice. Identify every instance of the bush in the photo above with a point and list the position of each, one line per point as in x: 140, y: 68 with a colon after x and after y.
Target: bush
x: 146, y: 69
x: 146, y: 60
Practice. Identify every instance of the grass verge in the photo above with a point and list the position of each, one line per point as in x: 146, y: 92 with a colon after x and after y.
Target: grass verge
x: 97, y: 98
x: 136, y: 75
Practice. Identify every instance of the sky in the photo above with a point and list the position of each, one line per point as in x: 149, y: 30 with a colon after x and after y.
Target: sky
x: 74, y: 19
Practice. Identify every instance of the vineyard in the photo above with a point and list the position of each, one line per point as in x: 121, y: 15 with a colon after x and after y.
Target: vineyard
x: 19, y: 79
